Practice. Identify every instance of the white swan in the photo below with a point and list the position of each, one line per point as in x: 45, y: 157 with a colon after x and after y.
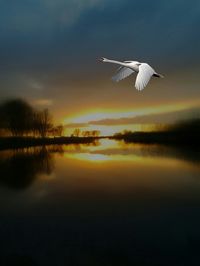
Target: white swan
x: 145, y: 72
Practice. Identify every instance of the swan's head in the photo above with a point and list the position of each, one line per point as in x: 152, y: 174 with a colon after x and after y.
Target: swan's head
x: 103, y: 59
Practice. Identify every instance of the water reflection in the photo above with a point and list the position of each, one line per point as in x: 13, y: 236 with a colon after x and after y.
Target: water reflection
x: 105, y: 204
x: 19, y: 168
x: 111, y: 150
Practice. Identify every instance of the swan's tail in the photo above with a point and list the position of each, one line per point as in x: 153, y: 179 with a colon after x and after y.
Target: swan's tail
x: 158, y: 75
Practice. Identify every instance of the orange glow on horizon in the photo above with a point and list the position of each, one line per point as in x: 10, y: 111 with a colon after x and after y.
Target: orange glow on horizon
x: 100, y: 114
x: 85, y: 117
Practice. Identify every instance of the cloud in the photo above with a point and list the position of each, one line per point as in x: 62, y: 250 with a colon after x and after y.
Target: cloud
x: 43, y: 102
x: 43, y: 14
x: 164, y: 118
x: 73, y: 125
x: 168, y: 117
x: 66, y: 13
x: 48, y: 49
x: 34, y: 84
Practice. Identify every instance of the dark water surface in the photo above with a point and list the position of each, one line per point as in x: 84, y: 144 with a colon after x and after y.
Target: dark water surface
x: 105, y: 204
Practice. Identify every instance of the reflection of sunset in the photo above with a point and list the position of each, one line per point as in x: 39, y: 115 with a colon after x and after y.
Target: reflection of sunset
x: 94, y: 171
x: 136, y: 159
x: 89, y: 157
x: 109, y: 151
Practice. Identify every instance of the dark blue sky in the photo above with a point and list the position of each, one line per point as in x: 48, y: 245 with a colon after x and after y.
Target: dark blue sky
x: 48, y: 51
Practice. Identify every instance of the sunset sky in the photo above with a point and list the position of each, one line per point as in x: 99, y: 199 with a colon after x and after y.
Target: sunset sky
x: 49, y: 51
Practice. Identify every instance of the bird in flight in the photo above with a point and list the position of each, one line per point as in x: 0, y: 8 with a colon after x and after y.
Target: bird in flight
x: 145, y: 72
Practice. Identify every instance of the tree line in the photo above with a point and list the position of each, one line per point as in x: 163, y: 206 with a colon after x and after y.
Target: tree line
x: 86, y: 133
x: 18, y: 118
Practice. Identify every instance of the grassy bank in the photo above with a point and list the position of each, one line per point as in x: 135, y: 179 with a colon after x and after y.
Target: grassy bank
x: 22, y: 142
x: 182, y: 133
x: 159, y: 138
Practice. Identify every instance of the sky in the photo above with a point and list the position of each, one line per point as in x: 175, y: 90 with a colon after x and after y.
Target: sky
x: 49, y: 51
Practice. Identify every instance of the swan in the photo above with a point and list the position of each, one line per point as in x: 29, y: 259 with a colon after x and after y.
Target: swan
x: 144, y: 70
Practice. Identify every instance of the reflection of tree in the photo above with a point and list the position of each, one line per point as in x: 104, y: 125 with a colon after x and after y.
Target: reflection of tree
x: 21, y: 167
x: 16, y: 260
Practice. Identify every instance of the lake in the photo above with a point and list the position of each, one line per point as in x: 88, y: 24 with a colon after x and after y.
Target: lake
x: 107, y: 203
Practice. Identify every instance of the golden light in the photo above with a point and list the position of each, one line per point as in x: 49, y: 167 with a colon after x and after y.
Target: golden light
x: 83, y: 119
x: 110, y: 130
x: 100, y: 114
x: 117, y: 151
x: 96, y: 158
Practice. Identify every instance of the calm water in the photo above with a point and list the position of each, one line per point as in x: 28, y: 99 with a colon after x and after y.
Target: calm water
x: 105, y: 204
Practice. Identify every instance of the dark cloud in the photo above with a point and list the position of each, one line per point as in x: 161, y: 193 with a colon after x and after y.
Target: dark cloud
x: 42, y: 33
x: 74, y: 125
x: 161, y: 118
x: 48, y: 49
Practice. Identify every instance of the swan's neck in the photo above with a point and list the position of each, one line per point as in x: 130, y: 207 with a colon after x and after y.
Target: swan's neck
x: 115, y: 62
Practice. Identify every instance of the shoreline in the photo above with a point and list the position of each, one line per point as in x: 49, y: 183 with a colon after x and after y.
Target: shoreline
x: 179, y: 138
x: 25, y: 142
x: 172, y: 138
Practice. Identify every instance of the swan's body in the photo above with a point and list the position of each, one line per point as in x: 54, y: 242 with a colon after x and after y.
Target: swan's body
x: 145, y: 72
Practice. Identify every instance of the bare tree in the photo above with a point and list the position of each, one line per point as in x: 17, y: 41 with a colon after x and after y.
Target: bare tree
x: 43, y: 122
x: 60, y: 130
x: 76, y: 132
x: 86, y: 133
x: 91, y: 133
x: 95, y: 133
x: 56, y: 131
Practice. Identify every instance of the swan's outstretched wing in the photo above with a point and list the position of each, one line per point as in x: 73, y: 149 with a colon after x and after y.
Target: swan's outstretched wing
x: 144, y: 75
x: 122, y: 73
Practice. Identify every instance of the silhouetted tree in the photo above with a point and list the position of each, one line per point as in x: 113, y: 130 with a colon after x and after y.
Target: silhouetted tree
x: 42, y: 122
x: 17, y: 117
x: 56, y: 131
x: 86, y: 133
x: 76, y: 132
x: 95, y: 133
x: 59, y: 130
x: 91, y: 133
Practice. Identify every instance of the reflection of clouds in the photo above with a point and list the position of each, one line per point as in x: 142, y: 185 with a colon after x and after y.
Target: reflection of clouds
x: 19, y: 169
x: 92, y: 157
x: 151, y: 151
x: 111, y: 150
x: 40, y: 194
